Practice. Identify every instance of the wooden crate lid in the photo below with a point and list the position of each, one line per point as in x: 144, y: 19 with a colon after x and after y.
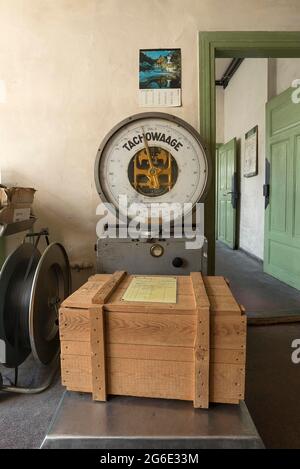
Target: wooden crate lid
x: 83, y: 298
x: 212, y: 291
x: 220, y: 296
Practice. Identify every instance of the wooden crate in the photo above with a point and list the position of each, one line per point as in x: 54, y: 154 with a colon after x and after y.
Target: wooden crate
x: 193, y: 350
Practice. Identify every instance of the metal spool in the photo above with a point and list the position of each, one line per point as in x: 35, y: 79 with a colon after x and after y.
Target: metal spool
x: 31, y: 288
x: 51, y: 285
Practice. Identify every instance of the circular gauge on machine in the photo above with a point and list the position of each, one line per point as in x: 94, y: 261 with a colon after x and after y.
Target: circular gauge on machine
x: 152, y: 158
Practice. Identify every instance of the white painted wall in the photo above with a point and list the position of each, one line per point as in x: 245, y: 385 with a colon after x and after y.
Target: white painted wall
x: 244, y: 107
x: 256, y: 81
x: 287, y: 70
x: 219, y: 114
x: 69, y: 71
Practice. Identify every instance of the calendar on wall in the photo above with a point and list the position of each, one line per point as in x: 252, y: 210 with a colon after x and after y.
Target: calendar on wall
x: 160, y: 77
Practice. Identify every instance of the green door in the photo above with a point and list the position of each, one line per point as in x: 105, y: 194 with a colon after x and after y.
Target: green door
x: 227, y: 193
x: 282, y: 214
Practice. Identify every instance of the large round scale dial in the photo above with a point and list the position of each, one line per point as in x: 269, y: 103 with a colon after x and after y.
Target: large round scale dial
x: 152, y: 157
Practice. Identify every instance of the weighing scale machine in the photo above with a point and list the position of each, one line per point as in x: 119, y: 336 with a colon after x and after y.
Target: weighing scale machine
x: 150, y: 157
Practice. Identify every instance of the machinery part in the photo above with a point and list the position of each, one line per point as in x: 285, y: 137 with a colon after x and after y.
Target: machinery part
x: 156, y: 250
x: 43, y: 232
x: 15, y: 289
x: 51, y: 284
x: 31, y: 289
x: 152, y: 156
x: 170, y: 424
x: 46, y: 383
x: 177, y: 262
x: 164, y: 169
x: 137, y: 257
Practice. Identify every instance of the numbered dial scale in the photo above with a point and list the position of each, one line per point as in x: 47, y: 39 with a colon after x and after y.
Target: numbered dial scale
x: 152, y: 157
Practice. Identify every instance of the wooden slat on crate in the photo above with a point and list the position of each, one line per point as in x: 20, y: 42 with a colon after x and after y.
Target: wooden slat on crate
x: 228, y: 332
x: 75, y: 381
x: 151, y: 352
x: 214, y: 280
x: 228, y: 356
x: 97, y: 341
x: 220, y: 297
x: 158, y: 309
x: 79, y: 363
x: 201, y: 347
x: 228, y: 382
x: 172, y: 353
x: 151, y: 378
x: 150, y: 329
x: 97, y: 335
x: 216, y: 286
x: 73, y: 347
x: 224, y: 305
x: 104, y: 293
x: 74, y: 324
x: 82, y: 298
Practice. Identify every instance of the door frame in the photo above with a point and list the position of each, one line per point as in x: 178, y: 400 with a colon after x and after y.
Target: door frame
x: 218, y: 145
x: 230, y: 44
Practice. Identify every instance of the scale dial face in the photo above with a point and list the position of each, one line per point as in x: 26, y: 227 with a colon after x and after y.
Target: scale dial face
x: 152, y: 158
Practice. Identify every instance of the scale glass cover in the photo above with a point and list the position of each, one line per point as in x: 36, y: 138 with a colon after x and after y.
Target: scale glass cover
x: 152, y: 158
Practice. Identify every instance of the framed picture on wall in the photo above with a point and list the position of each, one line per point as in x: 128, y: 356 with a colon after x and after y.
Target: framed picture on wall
x: 251, y: 153
x: 160, y: 78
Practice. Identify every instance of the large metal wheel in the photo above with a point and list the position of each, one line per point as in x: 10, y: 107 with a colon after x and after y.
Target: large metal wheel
x: 31, y: 290
x: 16, y: 279
x: 51, y: 285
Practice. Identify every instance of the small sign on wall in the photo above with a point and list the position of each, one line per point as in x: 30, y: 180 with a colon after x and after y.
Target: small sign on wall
x: 160, y: 78
x: 251, y: 153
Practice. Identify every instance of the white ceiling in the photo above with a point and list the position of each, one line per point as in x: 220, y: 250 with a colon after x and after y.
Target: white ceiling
x: 221, y: 65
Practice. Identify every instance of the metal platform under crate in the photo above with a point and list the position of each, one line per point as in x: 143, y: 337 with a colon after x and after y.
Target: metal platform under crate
x: 133, y: 423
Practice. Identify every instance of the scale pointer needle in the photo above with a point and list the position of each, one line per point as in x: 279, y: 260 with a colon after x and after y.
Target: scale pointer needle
x: 152, y: 170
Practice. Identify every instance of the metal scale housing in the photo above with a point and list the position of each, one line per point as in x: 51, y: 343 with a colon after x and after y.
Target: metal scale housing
x: 137, y: 255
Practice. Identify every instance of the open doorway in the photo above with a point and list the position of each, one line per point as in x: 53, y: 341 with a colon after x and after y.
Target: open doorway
x: 241, y: 97
x: 258, y: 201
x: 243, y: 45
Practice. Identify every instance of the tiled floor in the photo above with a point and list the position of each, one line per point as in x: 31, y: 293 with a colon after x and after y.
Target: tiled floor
x: 257, y: 291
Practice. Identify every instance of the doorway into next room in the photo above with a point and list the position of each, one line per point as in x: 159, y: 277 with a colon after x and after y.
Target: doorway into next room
x: 258, y: 181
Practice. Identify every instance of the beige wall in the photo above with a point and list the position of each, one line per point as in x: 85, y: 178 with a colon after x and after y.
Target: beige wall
x: 70, y: 72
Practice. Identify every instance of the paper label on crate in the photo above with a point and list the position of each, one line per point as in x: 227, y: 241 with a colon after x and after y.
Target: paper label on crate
x: 21, y: 214
x: 152, y: 290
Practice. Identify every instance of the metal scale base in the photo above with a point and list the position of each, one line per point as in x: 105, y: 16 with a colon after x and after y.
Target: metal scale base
x: 138, y: 423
